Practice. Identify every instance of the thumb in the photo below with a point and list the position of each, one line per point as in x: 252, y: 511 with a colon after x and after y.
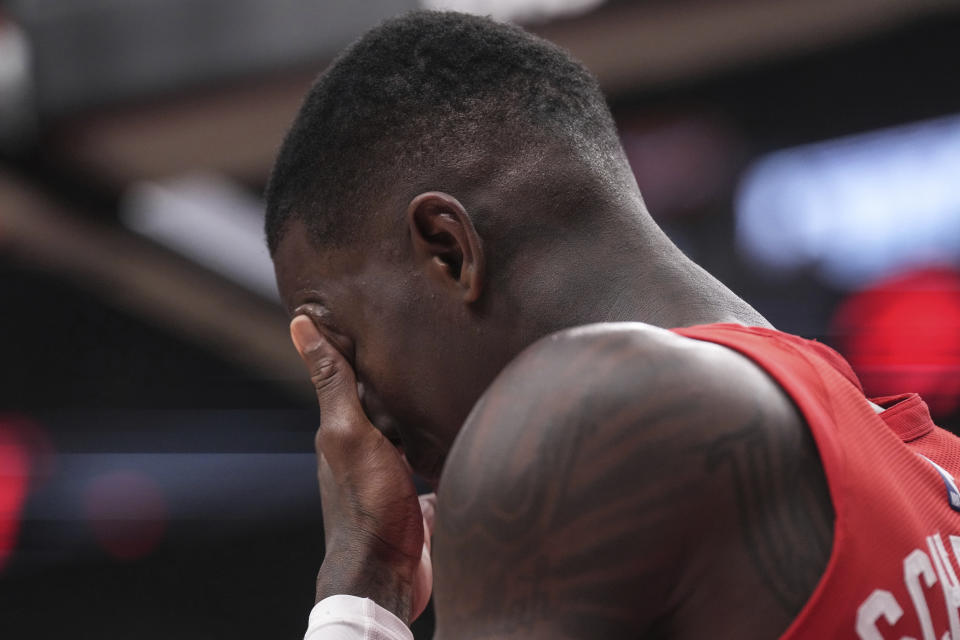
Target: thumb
x: 332, y: 377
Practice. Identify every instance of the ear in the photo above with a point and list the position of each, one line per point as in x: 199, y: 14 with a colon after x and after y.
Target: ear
x: 445, y: 239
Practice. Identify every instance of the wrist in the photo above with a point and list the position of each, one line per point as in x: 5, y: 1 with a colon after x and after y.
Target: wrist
x: 366, y: 579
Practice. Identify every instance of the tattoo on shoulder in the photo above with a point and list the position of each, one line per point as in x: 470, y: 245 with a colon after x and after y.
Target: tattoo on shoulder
x: 541, y: 528
x: 565, y: 471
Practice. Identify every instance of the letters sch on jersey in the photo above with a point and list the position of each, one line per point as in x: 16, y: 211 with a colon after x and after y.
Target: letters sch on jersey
x: 923, y: 569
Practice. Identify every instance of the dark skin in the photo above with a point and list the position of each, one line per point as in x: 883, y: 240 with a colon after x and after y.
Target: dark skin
x: 608, y: 480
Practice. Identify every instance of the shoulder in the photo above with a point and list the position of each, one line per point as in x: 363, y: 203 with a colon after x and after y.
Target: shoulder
x: 574, y: 394
x: 594, y: 355
x: 593, y: 457
x: 582, y: 375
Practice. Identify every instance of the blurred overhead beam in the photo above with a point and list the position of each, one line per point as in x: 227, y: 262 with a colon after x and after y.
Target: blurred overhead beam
x: 141, y: 278
x: 630, y: 46
x: 637, y: 45
x: 234, y: 131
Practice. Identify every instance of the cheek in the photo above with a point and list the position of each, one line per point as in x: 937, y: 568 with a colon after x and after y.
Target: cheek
x: 399, y: 362
x: 393, y: 363
x: 404, y: 351
x: 384, y: 354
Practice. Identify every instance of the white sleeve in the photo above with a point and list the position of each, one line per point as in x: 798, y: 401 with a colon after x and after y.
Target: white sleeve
x: 352, y: 618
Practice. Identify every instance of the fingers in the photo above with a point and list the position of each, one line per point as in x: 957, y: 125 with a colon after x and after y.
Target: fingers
x: 341, y: 415
x: 428, y: 507
x: 423, y: 580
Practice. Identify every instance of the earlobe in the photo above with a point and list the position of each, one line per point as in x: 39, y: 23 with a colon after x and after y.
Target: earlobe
x: 445, y: 239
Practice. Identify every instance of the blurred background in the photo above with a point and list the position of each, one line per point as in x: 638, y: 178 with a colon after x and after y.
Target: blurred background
x: 156, y: 466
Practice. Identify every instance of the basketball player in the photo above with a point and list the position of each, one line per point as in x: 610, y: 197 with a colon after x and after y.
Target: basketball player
x: 621, y: 446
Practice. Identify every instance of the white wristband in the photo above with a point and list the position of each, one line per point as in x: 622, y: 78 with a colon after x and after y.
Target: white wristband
x: 343, y: 617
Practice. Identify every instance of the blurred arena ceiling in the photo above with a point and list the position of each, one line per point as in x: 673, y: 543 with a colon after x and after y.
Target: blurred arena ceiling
x: 91, y: 53
x: 153, y: 88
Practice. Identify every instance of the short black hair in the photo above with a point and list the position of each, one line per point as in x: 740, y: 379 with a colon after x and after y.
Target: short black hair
x: 399, y: 102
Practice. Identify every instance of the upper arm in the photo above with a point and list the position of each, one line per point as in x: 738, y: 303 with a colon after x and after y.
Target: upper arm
x: 587, y: 483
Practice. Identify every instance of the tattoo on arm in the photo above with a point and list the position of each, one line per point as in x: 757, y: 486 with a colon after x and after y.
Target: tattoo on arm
x: 785, y: 521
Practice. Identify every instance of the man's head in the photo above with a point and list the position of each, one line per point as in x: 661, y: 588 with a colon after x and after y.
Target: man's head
x: 442, y: 186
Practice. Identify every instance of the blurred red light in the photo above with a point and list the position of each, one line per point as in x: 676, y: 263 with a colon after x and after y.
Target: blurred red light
x: 903, y: 335
x: 127, y: 513
x: 14, y: 477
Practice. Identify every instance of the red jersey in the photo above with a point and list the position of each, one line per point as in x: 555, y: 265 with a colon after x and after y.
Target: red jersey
x: 896, y: 541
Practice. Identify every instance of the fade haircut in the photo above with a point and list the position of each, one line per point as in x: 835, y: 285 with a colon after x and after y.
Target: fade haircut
x: 416, y: 98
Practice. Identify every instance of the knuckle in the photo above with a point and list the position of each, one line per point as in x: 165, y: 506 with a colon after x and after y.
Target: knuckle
x: 318, y: 444
x: 336, y: 439
x: 324, y: 373
x: 328, y: 436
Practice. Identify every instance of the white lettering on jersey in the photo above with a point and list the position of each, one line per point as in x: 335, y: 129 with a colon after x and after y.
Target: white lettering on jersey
x: 880, y: 603
x: 948, y: 580
x: 915, y: 565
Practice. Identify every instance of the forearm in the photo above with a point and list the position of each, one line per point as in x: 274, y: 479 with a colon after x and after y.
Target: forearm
x: 351, y: 576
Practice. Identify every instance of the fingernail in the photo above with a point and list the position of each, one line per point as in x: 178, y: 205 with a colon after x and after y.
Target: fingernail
x: 305, y: 336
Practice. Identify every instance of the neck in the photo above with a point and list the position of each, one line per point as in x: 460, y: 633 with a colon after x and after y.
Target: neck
x: 640, y: 277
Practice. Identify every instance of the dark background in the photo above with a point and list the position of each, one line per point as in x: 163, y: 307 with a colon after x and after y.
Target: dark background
x: 156, y: 468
